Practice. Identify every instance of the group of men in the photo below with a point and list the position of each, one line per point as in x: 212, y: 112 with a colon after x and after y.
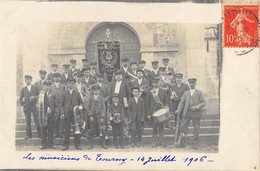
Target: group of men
x: 125, y: 103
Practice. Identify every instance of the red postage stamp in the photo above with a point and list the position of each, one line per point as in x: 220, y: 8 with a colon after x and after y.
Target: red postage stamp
x: 241, y: 26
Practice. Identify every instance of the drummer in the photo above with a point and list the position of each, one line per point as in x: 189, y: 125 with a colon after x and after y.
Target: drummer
x: 156, y: 99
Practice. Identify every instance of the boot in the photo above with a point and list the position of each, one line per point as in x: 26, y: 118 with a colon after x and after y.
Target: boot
x: 104, y: 143
x: 91, y: 139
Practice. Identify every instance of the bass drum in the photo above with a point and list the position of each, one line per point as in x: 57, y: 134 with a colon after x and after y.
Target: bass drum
x: 162, y: 115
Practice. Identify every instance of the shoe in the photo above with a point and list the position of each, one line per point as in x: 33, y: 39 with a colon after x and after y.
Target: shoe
x: 163, y: 145
x: 90, y: 147
x: 52, y: 147
x: 122, y: 146
x: 195, y: 146
x: 43, y: 148
x: 133, y: 145
x: 104, y: 146
x: 27, y: 137
x: 56, y: 136
x: 116, y: 146
x: 138, y: 144
x: 65, y: 148
x: 78, y: 148
x: 154, y: 145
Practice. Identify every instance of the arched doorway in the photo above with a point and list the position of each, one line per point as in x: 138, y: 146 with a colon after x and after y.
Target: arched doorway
x: 122, y: 32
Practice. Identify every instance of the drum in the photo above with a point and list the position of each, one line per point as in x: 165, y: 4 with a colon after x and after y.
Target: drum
x: 162, y: 115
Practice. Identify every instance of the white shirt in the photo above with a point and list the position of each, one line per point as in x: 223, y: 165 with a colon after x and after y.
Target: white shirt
x: 155, y: 71
x: 66, y: 75
x: 192, y: 91
x: 134, y: 72
x: 29, y: 87
x: 136, y: 99
x: 140, y: 81
x: 99, y: 84
x: 156, y: 91
x: 57, y: 85
x: 70, y: 91
x: 78, y: 86
x: 86, y: 78
x: 115, y: 104
x: 125, y: 69
x: 42, y: 81
x: 117, y: 87
x: 95, y: 97
x: 179, y: 85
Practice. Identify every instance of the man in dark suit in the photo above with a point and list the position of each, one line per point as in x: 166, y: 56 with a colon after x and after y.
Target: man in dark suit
x: 137, y: 112
x: 73, y: 69
x: 93, y: 69
x: 87, y: 79
x: 49, y: 103
x: 54, y: 68
x: 66, y: 75
x: 154, y: 72
x: 84, y: 63
x: 146, y: 71
x: 70, y: 99
x: 177, y: 90
x: 57, y: 90
x: 28, y: 99
x: 156, y: 99
x: 191, y: 104
x: 125, y: 68
x: 39, y: 84
x: 97, y: 118
x: 165, y: 64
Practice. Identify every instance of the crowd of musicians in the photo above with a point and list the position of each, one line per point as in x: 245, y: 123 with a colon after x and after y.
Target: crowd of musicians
x: 83, y: 99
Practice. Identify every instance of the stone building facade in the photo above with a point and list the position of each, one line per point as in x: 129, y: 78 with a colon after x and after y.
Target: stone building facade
x: 192, y: 49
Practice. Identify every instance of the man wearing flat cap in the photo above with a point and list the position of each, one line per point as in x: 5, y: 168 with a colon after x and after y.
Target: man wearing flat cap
x: 176, y: 92
x: 84, y: 63
x: 156, y: 99
x: 87, y: 79
x: 70, y: 99
x: 155, y: 71
x: 97, y: 118
x: 66, y: 74
x: 93, y: 69
x: 57, y: 90
x: 146, y: 71
x: 46, y: 122
x: 191, y: 104
x: 166, y: 65
x: 125, y: 68
x: 54, y: 68
x: 28, y: 99
x: 73, y: 64
x: 39, y: 84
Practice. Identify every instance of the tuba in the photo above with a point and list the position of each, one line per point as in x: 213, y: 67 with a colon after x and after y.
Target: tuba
x: 117, y: 118
x: 42, y: 115
x: 79, y: 123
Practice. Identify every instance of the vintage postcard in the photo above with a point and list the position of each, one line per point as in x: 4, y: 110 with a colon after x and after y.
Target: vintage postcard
x: 130, y: 86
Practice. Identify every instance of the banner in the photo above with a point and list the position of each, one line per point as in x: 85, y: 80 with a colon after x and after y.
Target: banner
x: 108, y: 58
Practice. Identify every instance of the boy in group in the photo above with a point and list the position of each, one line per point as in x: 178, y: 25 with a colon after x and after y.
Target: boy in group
x: 73, y: 68
x: 96, y: 115
x: 28, y: 99
x: 66, y: 75
x: 137, y: 114
x: 116, y: 115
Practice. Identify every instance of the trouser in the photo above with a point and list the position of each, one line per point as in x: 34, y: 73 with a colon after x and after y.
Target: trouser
x: 158, y: 128
x: 185, y: 125
x: 136, y: 132
x: 47, y: 133
x: 59, y: 126
x: 118, y: 132
x: 28, y: 122
x: 69, y: 119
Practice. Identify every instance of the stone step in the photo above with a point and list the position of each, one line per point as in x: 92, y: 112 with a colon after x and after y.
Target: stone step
x: 147, y: 131
x: 146, y: 140
x: 212, y: 122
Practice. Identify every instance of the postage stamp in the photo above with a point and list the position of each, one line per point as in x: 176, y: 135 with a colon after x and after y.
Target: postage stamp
x: 241, y: 26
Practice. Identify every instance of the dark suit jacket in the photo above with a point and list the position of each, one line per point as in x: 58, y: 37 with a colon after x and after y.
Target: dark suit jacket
x: 116, y: 109
x: 52, y: 102
x: 39, y: 85
x: 57, y: 93
x: 29, y: 105
x: 137, y: 109
x: 170, y: 70
x: 49, y: 77
x: 64, y: 80
x: 179, y: 90
x: 124, y: 91
x: 100, y: 107
x: 90, y: 81
x: 65, y: 100
x: 151, y: 103
x: 152, y: 75
x: 188, y: 101
x: 76, y: 70
x: 136, y: 83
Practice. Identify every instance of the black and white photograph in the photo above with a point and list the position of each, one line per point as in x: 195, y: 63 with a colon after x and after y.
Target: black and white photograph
x: 118, y: 86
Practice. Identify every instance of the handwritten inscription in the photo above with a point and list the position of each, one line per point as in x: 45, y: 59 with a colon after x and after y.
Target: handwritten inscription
x: 144, y: 160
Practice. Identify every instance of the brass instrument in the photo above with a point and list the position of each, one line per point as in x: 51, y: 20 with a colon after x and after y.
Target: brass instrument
x: 43, y: 115
x: 79, y: 123
x: 117, y: 118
